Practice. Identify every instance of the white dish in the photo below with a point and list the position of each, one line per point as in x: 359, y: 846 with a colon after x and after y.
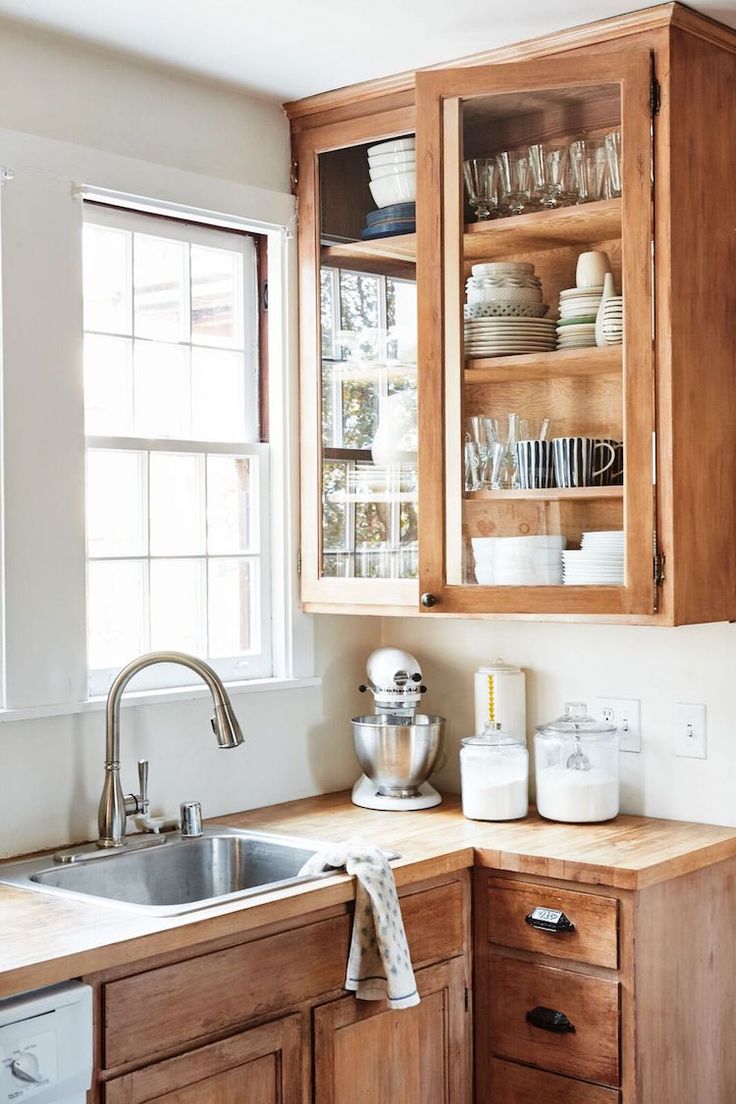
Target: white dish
x: 394, y: 189
x: 407, y: 158
x: 495, y: 308
x: 493, y: 268
x: 381, y: 172
x: 506, y: 295
x: 393, y: 146
x: 578, y: 291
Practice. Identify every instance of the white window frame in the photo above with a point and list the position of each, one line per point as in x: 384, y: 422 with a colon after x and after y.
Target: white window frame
x: 44, y: 671
x: 259, y: 664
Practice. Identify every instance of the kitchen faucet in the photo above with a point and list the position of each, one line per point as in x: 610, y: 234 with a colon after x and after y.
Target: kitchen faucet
x: 114, y: 808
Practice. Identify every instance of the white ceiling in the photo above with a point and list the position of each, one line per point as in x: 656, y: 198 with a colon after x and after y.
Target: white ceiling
x: 293, y: 48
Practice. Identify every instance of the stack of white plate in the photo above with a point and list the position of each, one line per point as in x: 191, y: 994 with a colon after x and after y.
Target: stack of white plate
x: 392, y: 168
x: 599, y: 562
x: 488, y: 337
x: 518, y: 561
x: 578, y: 310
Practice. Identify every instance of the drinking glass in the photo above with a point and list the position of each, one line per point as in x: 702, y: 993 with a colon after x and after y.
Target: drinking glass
x: 550, y: 169
x: 515, y: 180
x: 613, y: 155
x: 480, y: 183
x: 590, y: 169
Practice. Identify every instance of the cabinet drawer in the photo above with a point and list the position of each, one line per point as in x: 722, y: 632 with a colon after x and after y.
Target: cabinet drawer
x: 591, y: 1005
x: 594, y: 940
x: 514, y: 1084
x: 173, y: 1005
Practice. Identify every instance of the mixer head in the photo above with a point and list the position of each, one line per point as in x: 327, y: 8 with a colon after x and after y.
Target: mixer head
x: 395, y: 680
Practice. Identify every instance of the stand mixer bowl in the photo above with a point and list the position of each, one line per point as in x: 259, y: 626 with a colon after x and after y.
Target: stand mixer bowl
x: 398, y: 753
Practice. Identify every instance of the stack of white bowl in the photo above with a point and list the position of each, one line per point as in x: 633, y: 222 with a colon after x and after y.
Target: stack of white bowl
x: 392, y: 168
x: 599, y: 561
x: 578, y: 311
x: 504, y: 313
x: 518, y: 561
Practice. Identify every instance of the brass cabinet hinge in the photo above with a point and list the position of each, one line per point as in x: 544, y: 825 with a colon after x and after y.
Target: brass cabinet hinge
x: 294, y: 176
x: 467, y: 1000
x: 655, y: 96
x: 299, y: 564
x: 659, y: 564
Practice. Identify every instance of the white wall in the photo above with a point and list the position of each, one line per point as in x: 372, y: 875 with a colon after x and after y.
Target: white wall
x: 581, y: 662
x: 71, y: 115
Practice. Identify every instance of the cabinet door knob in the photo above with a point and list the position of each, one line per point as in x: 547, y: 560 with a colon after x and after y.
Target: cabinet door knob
x: 428, y: 600
x: 549, y: 1019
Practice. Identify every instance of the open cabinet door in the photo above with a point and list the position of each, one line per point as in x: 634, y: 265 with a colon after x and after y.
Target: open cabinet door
x: 512, y: 372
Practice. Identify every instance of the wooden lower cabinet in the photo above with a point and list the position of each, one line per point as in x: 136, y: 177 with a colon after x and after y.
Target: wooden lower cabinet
x: 510, y: 1083
x: 367, y: 1054
x: 261, y: 1066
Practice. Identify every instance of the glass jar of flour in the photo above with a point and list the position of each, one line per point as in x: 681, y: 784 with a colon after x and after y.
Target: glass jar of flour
x: 577, y: 767
x: 494, y: 775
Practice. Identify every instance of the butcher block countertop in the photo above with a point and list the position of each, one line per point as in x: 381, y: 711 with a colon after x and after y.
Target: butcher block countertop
x: 46, y: 939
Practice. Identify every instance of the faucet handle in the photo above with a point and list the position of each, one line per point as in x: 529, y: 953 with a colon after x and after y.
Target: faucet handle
x: 142, y: 785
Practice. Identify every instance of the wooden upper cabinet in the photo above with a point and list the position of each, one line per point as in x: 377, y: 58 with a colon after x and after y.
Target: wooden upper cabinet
x: 601, y: 394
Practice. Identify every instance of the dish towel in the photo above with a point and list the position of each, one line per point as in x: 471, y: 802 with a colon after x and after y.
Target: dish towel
x: 379, y: 966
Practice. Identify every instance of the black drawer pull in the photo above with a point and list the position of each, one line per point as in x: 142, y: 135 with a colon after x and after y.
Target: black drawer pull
x: 549, y: 920
x: 548, y: 1019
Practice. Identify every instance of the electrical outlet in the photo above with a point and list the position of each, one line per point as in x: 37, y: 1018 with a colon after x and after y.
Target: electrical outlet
x: 625, y: 713
x: 689, y: 726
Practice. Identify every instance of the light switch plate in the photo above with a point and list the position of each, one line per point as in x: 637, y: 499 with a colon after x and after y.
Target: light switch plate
x: 625, y: 713
x: 689, y: 727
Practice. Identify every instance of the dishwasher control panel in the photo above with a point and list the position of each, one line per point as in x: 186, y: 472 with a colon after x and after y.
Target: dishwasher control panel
x: 46, y: 1045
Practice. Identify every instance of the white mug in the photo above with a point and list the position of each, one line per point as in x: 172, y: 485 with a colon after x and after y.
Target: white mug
x: 591, y: 269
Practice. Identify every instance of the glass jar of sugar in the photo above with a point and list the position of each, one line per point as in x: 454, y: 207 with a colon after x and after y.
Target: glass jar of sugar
x: 494, y: 775
x: 577, y: 767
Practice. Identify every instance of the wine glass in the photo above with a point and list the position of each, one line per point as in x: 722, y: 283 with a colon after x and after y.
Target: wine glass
x: 550, y: 169
x: 480, y: 183
x: 515, y: 180
x: 590, y: 169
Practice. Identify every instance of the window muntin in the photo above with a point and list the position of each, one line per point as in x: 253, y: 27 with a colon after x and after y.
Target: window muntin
x: 177, y: 532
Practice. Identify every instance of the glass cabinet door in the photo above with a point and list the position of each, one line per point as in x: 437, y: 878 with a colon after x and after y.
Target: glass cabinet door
x: 536, y: 337
x: 359, y: 368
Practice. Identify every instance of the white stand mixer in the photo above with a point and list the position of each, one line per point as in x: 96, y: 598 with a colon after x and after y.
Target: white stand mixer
x: 397, y: 748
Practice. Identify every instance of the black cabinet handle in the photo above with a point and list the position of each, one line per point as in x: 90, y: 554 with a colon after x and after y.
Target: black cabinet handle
x: 548, y: 1019
x: 549, y: 920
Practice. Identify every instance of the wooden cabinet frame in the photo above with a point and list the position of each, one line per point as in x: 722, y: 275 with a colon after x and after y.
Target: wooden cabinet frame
x: 440, y: 235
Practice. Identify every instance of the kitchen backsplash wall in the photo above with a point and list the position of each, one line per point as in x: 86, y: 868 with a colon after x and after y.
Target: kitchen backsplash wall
x: 581, y: 662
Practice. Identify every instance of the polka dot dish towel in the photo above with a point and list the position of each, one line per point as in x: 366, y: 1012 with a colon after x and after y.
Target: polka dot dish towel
x: 379, y: 967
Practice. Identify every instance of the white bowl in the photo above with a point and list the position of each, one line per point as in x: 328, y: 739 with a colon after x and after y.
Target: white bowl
x: 403, y: 157
x: 391, y: 170
x: 492, y: 308
x: 394, y: 189
x: 538, y: 541
x: 504, y: 295
x: 505, y: 268
x: 395, y: 145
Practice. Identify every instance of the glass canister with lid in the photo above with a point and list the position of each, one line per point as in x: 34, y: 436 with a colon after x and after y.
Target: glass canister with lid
x: 577, y: 767
x: 494, y: 775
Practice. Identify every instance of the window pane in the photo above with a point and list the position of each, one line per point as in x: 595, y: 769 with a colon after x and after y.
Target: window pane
x: 107, y: 279
x: 162, y: 399
x: 117, y: 623
x: 359, y: 298
x: 161, y: 288
x: 116, y: 503
x: 178, y: 604
x: 108, y: 385
x: 401, y: 318
x: 217, y: 297
x: 232, y: 483
x: 233, y: 606
x: 327, y: 310
x: 218, y: 403
x: 177, y: 522
x: 359, y: 414
x: 334, y: 513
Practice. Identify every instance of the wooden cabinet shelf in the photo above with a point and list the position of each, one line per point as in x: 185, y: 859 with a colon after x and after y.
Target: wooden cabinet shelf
x: 539, y: 230
x: 549, y: 494
x: 395, y: 256
x: 532, y: 366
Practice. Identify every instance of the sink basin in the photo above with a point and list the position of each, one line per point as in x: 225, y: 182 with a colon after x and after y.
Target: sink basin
x: 181, y: 876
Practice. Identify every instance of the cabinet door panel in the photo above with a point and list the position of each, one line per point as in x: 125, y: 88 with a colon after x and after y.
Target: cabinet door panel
x: 498, y: 377
x: 368, y: 1054
x: 260, y: 1066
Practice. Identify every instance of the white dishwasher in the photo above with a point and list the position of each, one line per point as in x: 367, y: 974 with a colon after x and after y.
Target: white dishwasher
x: 46, y: 1045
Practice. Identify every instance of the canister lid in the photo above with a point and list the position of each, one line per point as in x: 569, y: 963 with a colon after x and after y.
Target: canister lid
x: 576, y: 721
x: 499, y: 667
x: 492, y: 735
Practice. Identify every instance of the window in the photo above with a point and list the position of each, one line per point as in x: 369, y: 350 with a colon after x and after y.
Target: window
x: 369, y: 471
x: 177, y: 480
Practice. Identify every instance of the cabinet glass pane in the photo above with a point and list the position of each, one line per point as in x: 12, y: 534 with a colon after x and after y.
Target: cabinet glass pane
x: 368, y: 380
x: 536, y: 436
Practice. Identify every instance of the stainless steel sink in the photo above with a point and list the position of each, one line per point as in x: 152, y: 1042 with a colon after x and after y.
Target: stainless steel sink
x: 186, y: 874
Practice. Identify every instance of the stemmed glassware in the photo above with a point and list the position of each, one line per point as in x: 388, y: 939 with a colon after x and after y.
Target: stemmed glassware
x: 613, y: 155
x: 590, y: 169
x: 514, y: 172
x: 550, y: 168
x: 481, y: 183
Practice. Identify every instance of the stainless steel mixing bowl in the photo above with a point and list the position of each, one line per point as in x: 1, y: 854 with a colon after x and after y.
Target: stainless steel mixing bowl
x: 398, y: 755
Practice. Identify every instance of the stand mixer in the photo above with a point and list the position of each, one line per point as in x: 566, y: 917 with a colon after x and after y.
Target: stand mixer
x: 396, y: 747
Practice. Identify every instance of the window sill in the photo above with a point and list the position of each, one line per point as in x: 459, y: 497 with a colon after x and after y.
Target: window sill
x: 156, y: 697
